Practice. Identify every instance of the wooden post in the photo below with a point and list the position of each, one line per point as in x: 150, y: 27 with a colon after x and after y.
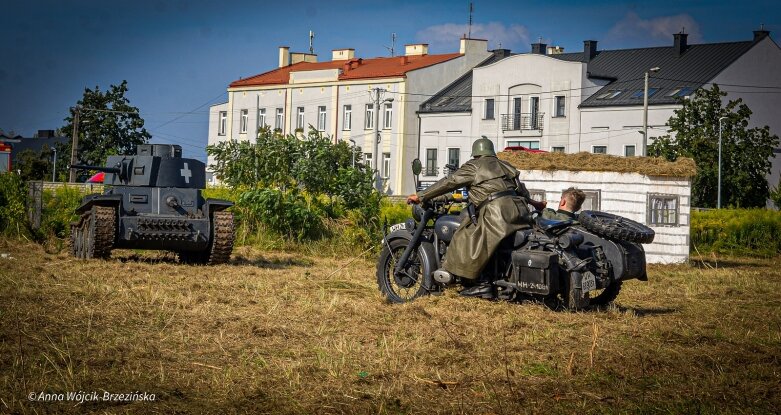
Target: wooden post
x: 74, y: 145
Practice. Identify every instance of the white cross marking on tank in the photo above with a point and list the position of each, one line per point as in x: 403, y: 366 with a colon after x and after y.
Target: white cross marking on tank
x: 186, y: 173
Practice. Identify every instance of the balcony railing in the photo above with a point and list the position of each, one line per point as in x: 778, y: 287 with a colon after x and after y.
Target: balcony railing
x: 522, y: 122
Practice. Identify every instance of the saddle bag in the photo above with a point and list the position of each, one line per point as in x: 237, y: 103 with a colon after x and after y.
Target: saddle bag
x: 536, y: 272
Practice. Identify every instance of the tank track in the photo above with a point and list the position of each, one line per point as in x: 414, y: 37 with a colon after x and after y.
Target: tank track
x: 222, y: 242
x: 221, y: 245
x: 93, y: 235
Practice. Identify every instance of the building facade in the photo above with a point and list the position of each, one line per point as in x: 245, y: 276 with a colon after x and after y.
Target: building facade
x: 338, y: 98
x: 593, y: 100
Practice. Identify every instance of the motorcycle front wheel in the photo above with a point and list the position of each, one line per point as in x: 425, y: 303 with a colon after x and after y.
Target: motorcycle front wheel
x: 400, y: 288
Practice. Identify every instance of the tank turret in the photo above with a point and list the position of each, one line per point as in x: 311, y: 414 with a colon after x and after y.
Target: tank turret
x: 155, y: 200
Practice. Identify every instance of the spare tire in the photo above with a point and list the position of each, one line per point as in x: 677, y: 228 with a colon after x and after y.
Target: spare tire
x: 616, y: 227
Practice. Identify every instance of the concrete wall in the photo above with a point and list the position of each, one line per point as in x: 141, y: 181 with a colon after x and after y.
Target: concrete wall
x: 759, y: 66
x: 626, y: 194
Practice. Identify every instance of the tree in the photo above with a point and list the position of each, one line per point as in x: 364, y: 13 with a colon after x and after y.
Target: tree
x: 108, y: 125
x: 35, y: 165
x: 746, y: 152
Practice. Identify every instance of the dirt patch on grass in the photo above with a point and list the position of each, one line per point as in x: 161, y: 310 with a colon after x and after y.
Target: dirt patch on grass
x: 269, y: 334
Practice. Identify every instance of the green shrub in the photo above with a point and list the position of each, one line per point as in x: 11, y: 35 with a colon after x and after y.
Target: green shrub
x: 13, y: 212
x: 394, y: 212
x: 58, y: 208
x: 755, y: 232
x: 287, y: 213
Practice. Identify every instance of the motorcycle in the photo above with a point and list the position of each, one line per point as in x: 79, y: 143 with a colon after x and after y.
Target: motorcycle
x: 573, y: 264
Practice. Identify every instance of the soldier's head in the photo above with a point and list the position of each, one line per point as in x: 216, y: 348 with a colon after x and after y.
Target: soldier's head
x: 483, y: 147
x: 572, y: 200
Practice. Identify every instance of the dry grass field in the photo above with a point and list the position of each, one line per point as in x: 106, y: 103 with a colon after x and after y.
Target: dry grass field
x: 284, y: 333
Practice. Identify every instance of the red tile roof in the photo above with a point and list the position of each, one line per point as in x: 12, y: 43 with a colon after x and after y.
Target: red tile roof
x: 351, y: 69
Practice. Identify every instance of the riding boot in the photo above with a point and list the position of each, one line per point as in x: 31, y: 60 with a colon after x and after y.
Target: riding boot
x: 482, y: 288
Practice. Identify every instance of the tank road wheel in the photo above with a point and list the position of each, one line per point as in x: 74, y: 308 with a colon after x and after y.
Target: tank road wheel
x: 97, y: 230
x: 220, y: 244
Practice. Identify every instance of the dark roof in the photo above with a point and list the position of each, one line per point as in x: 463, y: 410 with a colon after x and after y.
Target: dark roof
x: 625, y: 68
x: 457, y: 97
x: 35, y: 144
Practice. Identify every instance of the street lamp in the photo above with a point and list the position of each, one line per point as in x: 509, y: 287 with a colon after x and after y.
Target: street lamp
x: 645, y: 109
x: 718, y: 198
x: 54, y: 168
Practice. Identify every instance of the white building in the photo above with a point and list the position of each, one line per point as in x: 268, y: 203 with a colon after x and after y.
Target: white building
x: 593, y: 100
x: 335, y: 98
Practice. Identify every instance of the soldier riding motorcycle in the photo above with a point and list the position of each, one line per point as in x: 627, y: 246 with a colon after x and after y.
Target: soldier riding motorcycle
x: 498, y: 251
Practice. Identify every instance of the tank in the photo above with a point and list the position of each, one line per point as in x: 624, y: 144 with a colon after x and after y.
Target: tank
x: 153, y: 200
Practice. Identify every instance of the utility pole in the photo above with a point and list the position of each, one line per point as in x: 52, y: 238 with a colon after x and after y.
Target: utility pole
x: 54, y: 168
x: 74, y: 144
x: 718, y: 198
x: 376, y: 95
x: 645, y: 111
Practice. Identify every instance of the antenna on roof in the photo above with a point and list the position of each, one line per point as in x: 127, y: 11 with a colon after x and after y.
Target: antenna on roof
x: 471, y: 9
x: 392, y: 47
x: 311, y: 42
x: 761, y: 26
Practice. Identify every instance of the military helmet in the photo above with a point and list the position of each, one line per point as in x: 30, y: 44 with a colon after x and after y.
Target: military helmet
x: 483, y: 147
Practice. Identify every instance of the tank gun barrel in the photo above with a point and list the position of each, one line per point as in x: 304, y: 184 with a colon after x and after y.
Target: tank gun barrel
x: 104, y: 169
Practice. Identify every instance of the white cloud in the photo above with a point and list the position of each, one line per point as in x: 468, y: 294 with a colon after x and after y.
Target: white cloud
x: 634, y: 29
x: 445, y: 37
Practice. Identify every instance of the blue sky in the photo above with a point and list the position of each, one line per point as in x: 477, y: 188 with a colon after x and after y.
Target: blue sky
x: 179, y: 56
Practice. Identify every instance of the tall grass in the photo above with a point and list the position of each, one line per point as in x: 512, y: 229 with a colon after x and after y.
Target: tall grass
x: 754, y: 232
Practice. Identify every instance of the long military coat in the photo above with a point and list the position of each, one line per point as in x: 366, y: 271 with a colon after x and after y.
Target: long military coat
x: 473, y: 245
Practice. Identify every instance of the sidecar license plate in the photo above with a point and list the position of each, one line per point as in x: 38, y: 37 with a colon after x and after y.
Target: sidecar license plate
x: 398, y: 227
x: 589, y: 283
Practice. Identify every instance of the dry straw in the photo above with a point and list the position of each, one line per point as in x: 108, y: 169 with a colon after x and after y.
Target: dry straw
x: 649, y: 166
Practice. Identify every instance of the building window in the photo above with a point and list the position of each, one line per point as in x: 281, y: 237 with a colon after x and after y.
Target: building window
x: 431, y: 162
x: 300, y: 118
x: 385, y: 165
x: 454, y: 157
x: 367, y: 159
x: 629, y: 150
x: 369, y: 116
x: 610, y: 94
x: 681, y: 92
x: 662, y: 209
x: 489, y: 109
x: 560, y: 106
x: 388, y: 116
x: 321, y: 118
x: 347, y: 118
x: 599, y: 149
x: 262, y: 118
x: 592, y: 201
x: 641, y: 92
x: 279, y: 122
x: 223, y: 126
x: 557, y: 149
x: 531, y: 145
x: 244, y: 121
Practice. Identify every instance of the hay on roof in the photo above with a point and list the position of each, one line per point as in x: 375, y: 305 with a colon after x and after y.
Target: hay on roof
x: 649, y: 166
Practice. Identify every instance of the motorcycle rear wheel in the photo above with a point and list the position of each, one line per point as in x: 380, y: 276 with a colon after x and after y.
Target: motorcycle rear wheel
x: 608, y: 295
x: 573, y: 297
x: 407, y: 288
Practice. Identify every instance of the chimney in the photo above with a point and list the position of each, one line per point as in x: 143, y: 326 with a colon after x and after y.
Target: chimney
x: 589, y: 50
x: 342, y: 54
x: 472, y: 45
x: 679, y: 43
x: 297, y: 57
x: 760, y: 34
x: 416, y: 49
x: 284, y: 56
x: 555, y: 50
x: 539, y: 48
x: 45, y: 133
